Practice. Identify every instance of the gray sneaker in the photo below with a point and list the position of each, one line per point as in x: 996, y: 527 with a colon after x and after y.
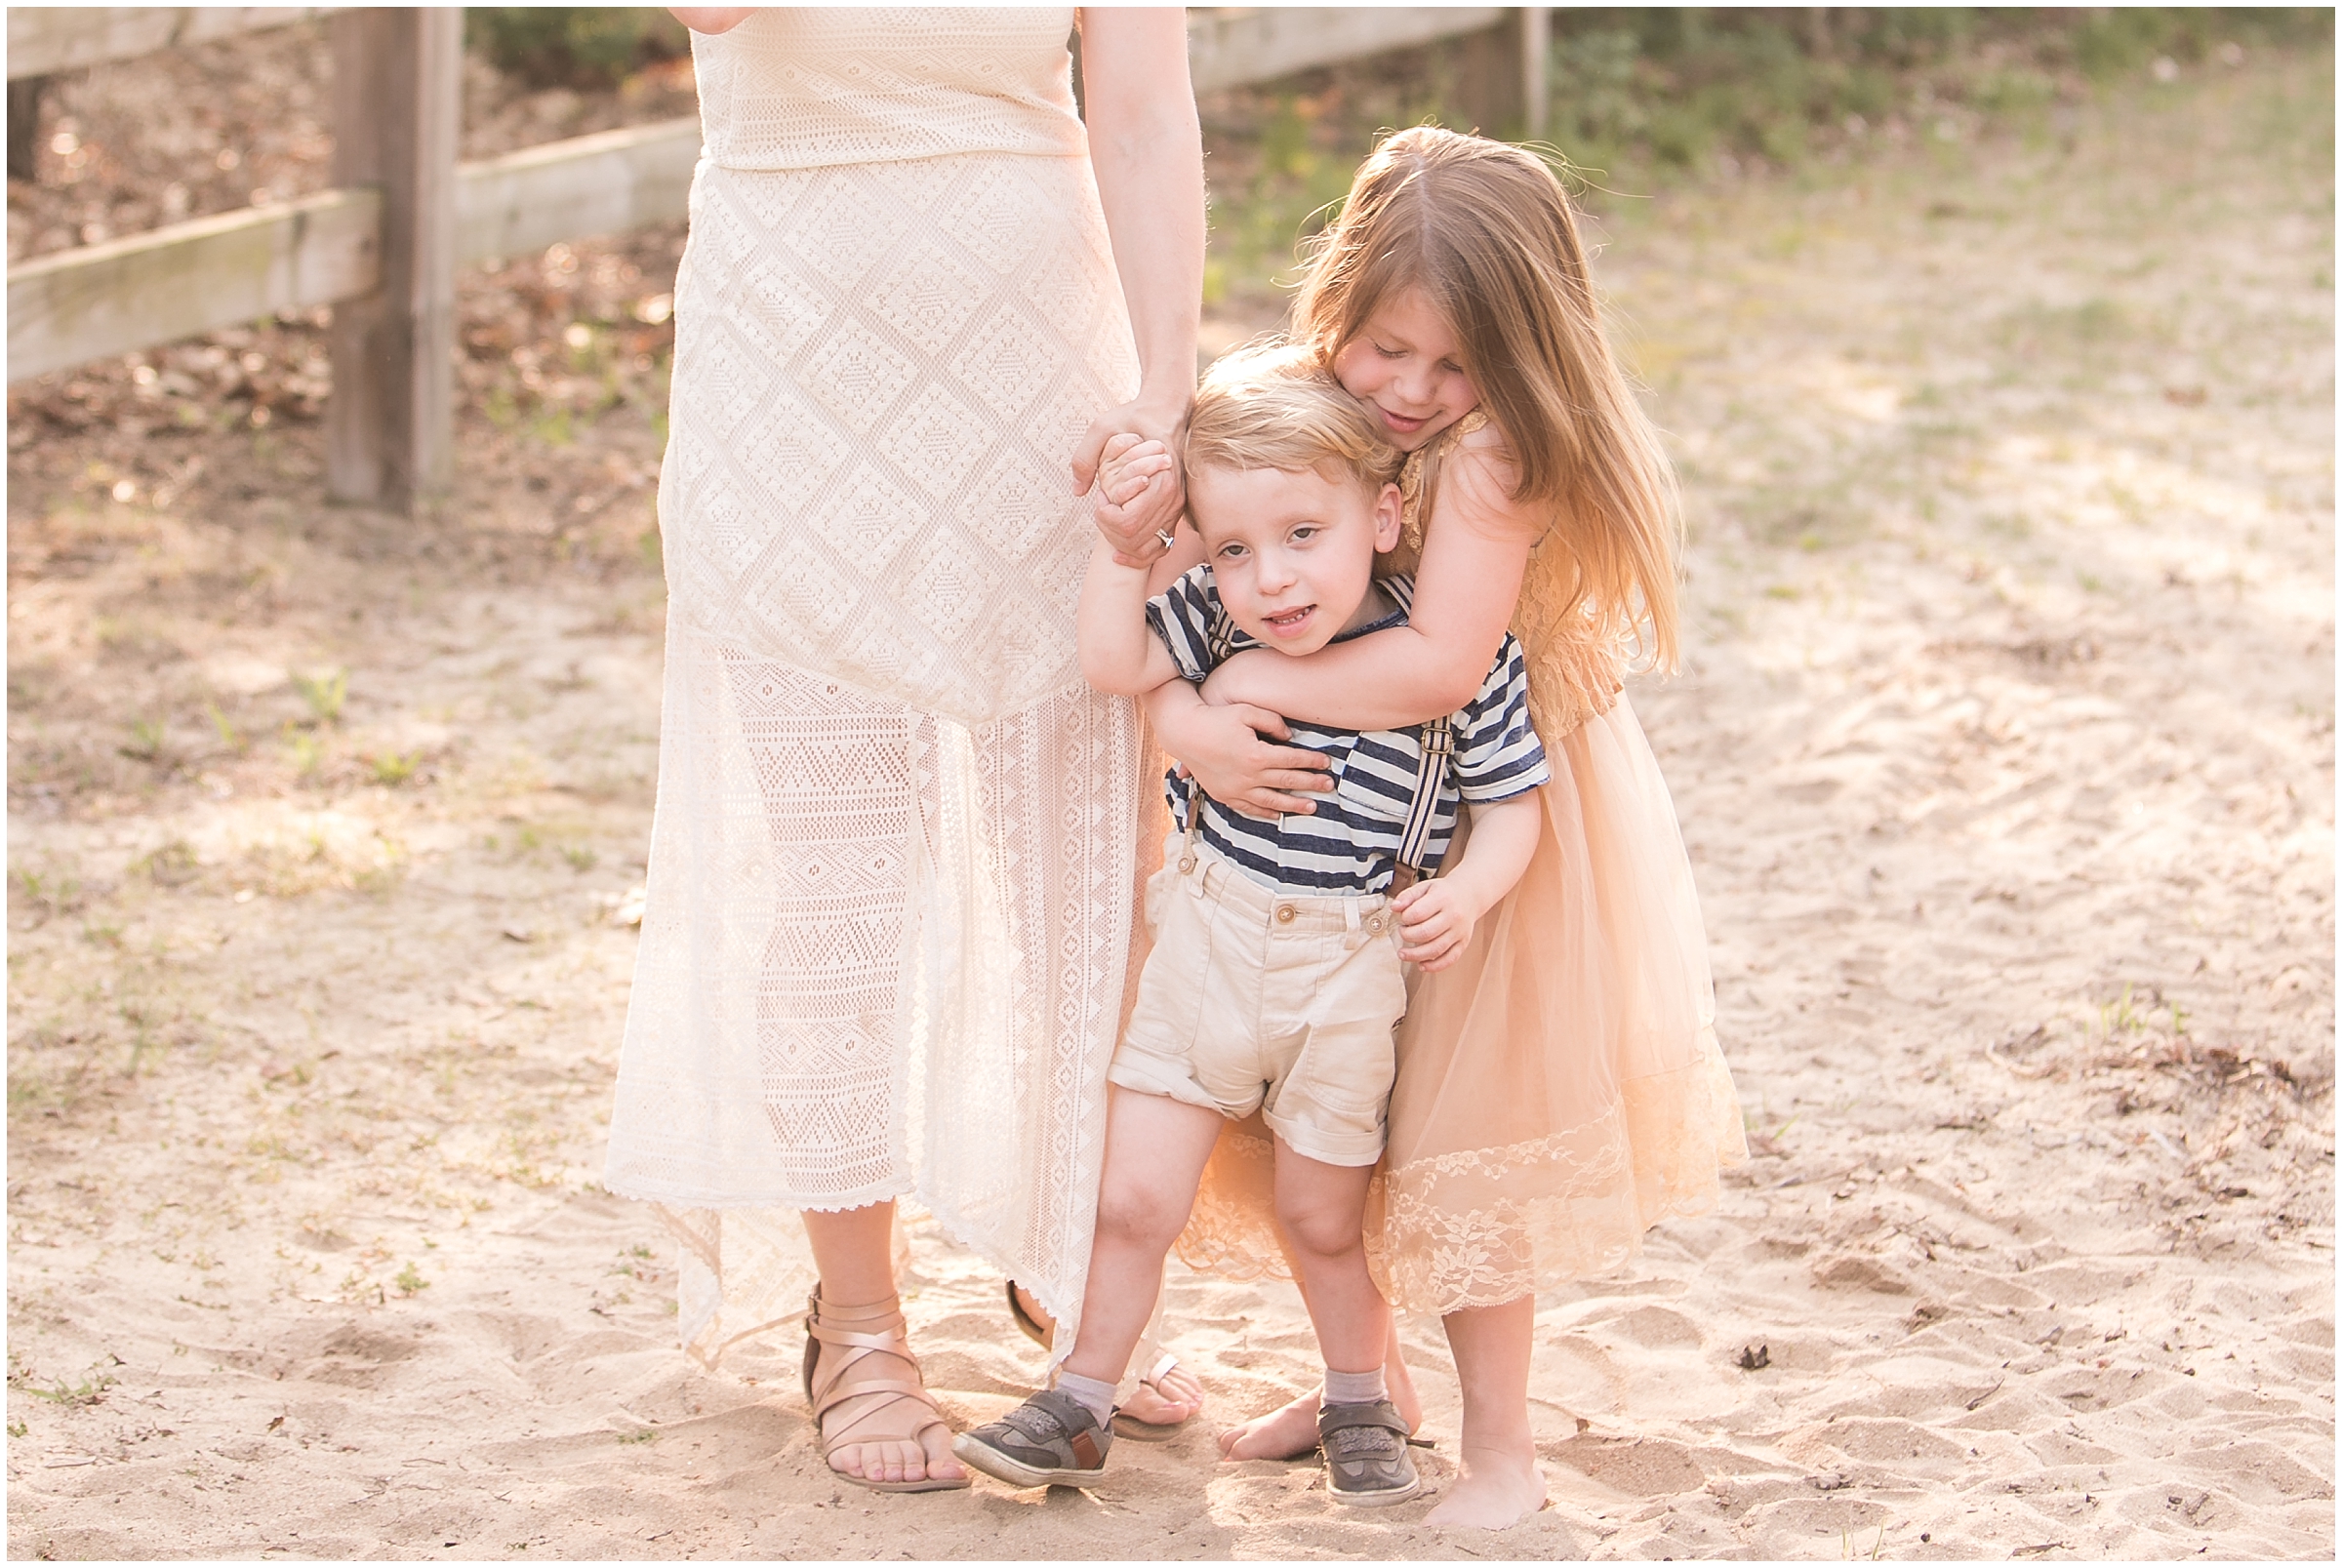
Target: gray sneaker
x: 1051, y: 1439
x: 1366, y: 1459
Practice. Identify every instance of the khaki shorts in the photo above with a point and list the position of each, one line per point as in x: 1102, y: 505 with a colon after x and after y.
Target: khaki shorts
x: 1254, y: 999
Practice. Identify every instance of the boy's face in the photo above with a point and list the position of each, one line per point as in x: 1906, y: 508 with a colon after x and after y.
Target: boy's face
x: 1405, y: 365
x: 1293, y: 553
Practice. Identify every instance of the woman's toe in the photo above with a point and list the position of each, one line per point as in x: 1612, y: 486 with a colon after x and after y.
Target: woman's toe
x: 937, y: 1458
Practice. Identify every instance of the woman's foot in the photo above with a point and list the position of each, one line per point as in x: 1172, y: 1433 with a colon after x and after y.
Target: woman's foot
x: 923, y: 1456
x: 890, y: 1436
x: 1496, y: 1489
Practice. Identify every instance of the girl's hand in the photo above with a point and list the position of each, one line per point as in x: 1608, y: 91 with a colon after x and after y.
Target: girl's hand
x: 1435, y: 921
x: 1224, y: 747
x: 1137, y: 528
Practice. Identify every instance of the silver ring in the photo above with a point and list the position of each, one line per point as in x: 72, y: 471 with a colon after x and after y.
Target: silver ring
x: 1168, y: 536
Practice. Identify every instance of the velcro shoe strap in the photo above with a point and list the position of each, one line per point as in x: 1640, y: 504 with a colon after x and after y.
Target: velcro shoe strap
x: 1332, y: 1419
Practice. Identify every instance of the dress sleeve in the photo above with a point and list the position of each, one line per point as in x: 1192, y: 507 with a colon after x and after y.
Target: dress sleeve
x: 1498, y: 754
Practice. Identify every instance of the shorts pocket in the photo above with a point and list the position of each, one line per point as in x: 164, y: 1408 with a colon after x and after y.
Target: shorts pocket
x: 1159, y: 887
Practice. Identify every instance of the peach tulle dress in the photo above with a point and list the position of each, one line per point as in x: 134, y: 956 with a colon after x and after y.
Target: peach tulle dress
x: 1561, y: 1089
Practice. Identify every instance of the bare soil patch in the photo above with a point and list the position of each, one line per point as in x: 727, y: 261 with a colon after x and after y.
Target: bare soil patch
x: 2005, y: 753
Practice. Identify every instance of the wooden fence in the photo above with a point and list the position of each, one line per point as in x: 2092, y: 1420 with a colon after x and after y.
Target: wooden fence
x: 383, y: 246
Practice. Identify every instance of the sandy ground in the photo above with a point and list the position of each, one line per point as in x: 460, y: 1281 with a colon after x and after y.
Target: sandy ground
x: 2005, y: 757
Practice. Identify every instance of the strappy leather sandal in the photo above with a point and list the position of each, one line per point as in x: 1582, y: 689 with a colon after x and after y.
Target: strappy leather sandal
x: 1124, y: 1425
x: 825, y: 1389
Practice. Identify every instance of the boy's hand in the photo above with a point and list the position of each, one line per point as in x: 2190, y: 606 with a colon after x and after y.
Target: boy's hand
x: 1128, y: 468
x: 1139, y: 496
x: 1435, y: 921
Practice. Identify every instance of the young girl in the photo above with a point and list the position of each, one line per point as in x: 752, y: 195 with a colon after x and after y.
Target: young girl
x: 1559, y: 1088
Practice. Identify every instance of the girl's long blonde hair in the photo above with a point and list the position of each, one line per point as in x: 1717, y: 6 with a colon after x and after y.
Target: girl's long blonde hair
x: 1490, y: 237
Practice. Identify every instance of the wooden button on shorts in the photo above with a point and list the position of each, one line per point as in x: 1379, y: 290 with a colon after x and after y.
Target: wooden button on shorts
x: 1256, y: 999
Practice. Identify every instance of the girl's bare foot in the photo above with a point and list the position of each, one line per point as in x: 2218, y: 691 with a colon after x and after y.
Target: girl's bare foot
x: 1285, y: 1432
x: 1497, y: 1489
x: 1291, y: 1430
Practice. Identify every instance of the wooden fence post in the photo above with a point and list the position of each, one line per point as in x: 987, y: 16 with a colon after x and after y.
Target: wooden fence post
x: 389, y: 424
x: 1489, y: 73
x: 1536, y: 56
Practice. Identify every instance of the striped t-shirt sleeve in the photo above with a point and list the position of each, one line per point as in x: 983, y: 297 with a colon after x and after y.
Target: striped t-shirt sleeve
x: 1181, y: 616
x: 1498, y: 754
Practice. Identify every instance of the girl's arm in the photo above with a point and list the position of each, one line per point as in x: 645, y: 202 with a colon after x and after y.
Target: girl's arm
x: 1146, y: 150
x: 1224, y: 747
x: 712, y: 18
x: 1474, y: 555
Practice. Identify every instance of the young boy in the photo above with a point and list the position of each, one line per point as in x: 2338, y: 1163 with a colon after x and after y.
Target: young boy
x: 1274, y: 981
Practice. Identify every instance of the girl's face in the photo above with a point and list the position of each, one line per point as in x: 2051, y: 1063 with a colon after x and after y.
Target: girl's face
x: 1405, y: 365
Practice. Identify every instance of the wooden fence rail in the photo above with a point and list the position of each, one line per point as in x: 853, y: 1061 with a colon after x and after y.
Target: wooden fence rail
x: 386, y: 242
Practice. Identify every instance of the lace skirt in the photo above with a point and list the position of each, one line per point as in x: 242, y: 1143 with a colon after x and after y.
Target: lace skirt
x: 1559, y: 1087
x: 897, y: 846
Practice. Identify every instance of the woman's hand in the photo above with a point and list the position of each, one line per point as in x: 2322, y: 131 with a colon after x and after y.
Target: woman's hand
x: 1136, y: 526
x: 712, y: 18
x: 1223, y: 746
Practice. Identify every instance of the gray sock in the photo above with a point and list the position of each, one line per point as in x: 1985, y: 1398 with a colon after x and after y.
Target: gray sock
x: 1095, y: 1395
x: 1354, y: 1387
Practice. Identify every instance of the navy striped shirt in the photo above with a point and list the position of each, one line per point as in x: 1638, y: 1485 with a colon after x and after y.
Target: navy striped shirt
x: 1351, y: 843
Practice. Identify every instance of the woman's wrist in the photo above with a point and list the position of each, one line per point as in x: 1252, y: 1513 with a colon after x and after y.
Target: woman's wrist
x: 1166, y: 404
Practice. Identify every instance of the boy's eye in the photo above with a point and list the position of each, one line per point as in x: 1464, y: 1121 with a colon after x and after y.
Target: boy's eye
x: 1306, y: 531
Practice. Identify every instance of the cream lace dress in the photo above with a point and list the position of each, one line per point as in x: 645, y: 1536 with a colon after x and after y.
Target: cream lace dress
x: 1559, y: 1089
x: 893, y: 865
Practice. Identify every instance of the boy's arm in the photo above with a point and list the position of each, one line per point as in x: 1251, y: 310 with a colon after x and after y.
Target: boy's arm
x: 1120, y: 654
x: 1435, y: 917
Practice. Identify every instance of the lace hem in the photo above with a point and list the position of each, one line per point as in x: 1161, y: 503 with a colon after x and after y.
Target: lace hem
x: 1480, y: 1228
x: 1484, y: 1227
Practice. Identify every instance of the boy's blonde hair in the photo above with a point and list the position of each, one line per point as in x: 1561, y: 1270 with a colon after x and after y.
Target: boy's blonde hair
x: 1273, y: 405
x: 1489, y: 236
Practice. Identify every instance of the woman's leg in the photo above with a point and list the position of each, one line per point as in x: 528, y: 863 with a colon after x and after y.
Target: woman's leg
x: 1501, y: 1483
x: 854, y: 1250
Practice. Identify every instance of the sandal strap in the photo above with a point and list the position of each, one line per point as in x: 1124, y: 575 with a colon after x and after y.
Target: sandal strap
x: 894, y: 1341
x: 892, y: 1397
x: 828, y: 1388
x: 1164, y: 1365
